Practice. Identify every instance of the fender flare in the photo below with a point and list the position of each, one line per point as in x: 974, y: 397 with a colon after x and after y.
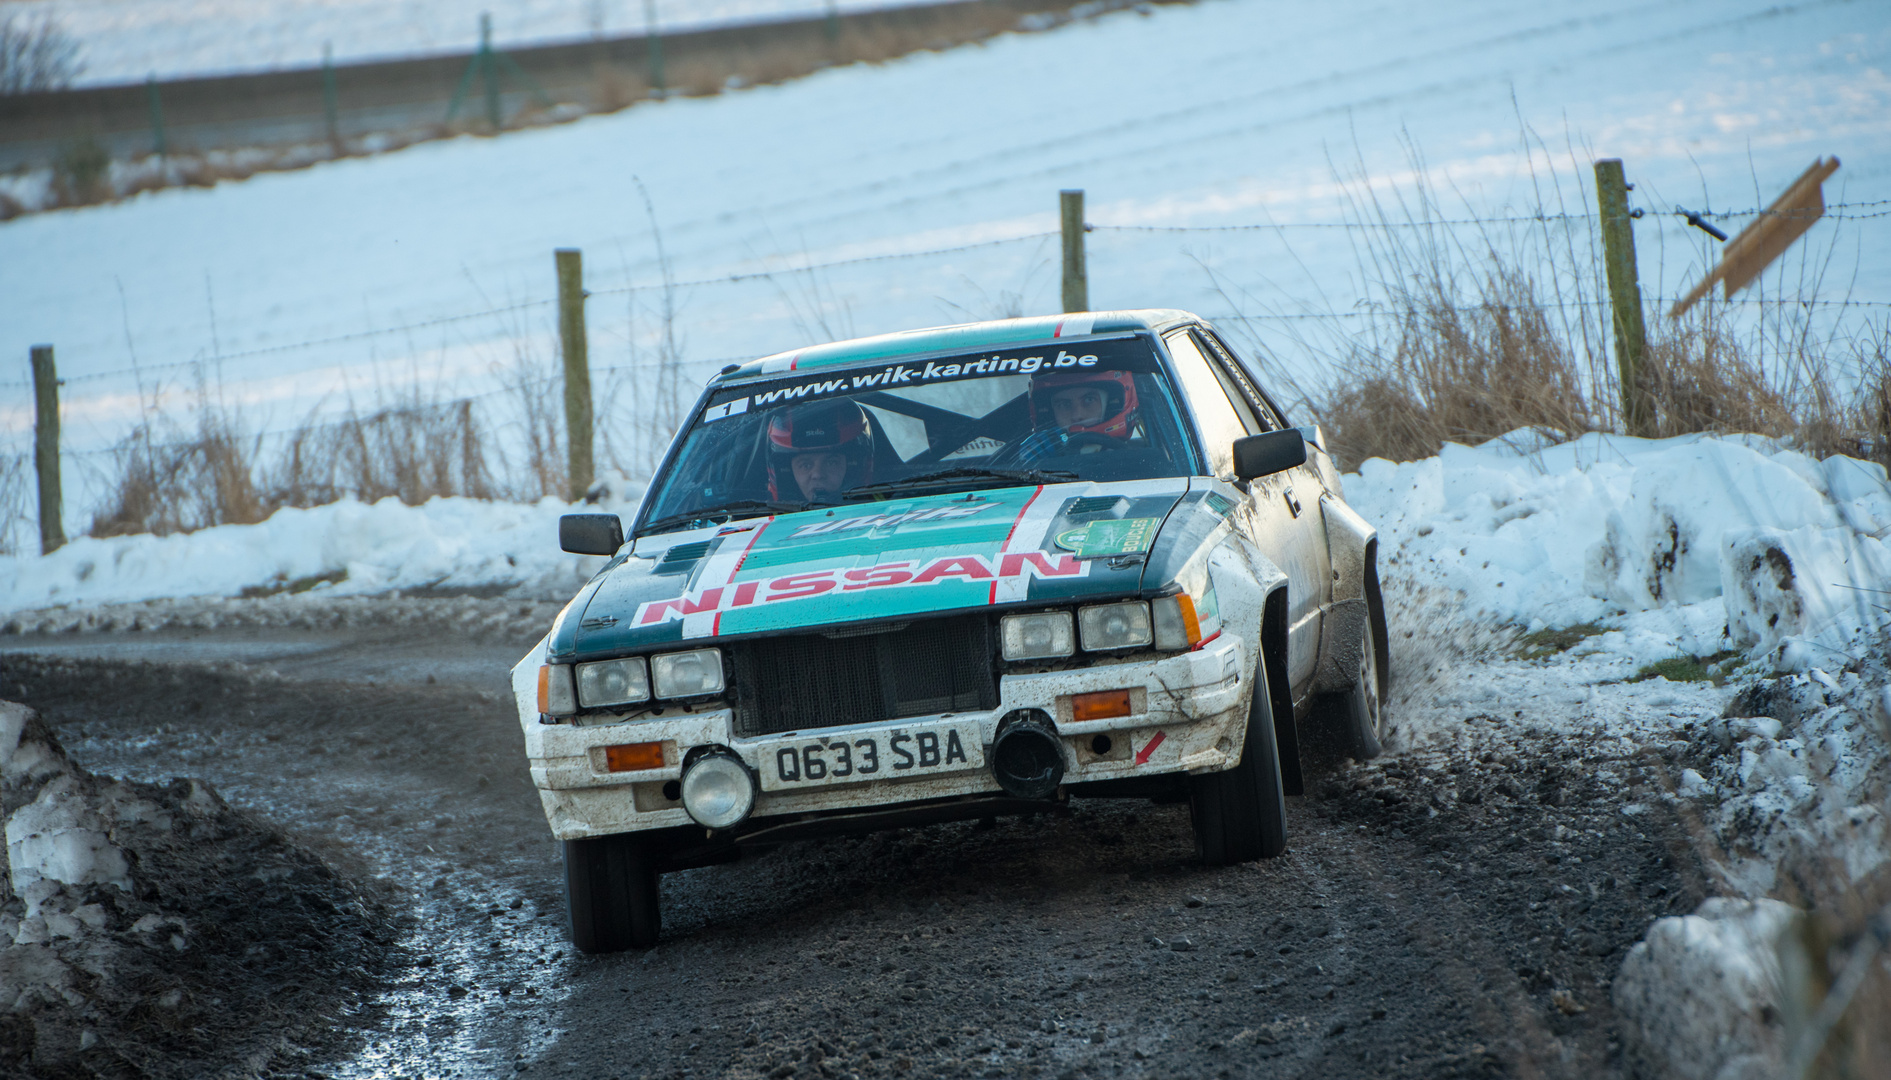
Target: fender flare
x: 1357, y: 608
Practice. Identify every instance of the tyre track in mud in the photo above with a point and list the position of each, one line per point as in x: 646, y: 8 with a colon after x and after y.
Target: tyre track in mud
x: 1437, y: 914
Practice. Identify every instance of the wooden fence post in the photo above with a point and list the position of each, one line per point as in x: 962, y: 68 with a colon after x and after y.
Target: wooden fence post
x: 156, y: 106
x: 653, y: 40
x: 1631, y: 336
x: 571, y: 338
x: 330, y: 105
x: 1076, y: 277
x: 487, y: 72
x: 52, y: 529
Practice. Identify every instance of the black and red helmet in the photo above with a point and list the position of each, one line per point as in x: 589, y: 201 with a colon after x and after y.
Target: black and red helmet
x: 1119, y: 395
x: 830, y: 427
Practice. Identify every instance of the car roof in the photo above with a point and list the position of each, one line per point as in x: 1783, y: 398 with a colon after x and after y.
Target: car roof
x: 997, y: 333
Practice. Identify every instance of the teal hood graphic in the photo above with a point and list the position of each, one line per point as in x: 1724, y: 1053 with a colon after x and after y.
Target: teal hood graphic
x: 871, y: 561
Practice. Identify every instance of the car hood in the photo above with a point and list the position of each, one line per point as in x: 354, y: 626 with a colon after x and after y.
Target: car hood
x: 869, y: 562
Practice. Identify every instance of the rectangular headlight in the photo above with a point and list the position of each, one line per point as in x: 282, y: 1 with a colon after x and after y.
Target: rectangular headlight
x: 1034, y: 637
x: 613, y: 682
x: 1115, y: 626
x: 687, y: 674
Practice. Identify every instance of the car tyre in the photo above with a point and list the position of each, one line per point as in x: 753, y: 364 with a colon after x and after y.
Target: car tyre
x: 1240, y: 814
x: 611, y: 894
x: 1359, y: 714
x: 1351, y: 724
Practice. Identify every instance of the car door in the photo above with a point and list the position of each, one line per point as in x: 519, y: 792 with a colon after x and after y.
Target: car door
x: 1287, y: 527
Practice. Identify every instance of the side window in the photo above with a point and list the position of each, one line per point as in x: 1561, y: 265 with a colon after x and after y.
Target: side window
x: 1243, y: 404
x: 1214, y: 413
x: 1272, y: 419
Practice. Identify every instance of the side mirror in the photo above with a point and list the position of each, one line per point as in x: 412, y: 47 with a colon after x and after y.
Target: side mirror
x: 590, y: 534
x: 1269, y: 453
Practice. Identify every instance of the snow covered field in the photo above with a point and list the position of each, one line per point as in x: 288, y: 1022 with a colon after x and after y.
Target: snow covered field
x: 431, y: 266
x: 127, y: 40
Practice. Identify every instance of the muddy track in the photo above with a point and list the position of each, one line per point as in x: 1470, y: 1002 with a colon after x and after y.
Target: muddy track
x: 1437, y: 915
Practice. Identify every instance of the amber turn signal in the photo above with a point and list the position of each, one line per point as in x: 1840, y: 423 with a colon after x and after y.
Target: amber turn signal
x: 631, y: 757
x: 1191, y: 622
x: 1100, y: 706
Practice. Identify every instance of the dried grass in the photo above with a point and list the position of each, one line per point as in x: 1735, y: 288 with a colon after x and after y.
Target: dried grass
x: 19, y: 515
x: 412, y: 452
x: 1847, y: 926
x: 1459, y: 373
x: 168, y: 480
x: 184, y: 484
x: 536, y: 389
x: 1482, y: 332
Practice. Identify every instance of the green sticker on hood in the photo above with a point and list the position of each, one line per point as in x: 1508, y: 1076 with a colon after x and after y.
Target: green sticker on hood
x: 1112, y: 536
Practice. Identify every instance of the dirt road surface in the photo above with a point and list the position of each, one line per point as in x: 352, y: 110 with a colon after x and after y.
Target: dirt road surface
x: 1436, y: 915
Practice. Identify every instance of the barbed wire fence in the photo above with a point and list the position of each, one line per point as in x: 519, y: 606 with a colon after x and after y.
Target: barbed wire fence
x: 519, y: 412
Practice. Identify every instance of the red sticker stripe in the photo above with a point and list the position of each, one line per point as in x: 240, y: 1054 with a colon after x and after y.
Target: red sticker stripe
x: 715, y: 628
x: 991, y: 596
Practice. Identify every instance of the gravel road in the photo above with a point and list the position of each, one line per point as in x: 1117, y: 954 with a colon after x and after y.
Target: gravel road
x: 1437, y: 915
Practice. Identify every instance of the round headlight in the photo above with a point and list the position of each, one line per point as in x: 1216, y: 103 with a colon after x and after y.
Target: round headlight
x: 718, y: 791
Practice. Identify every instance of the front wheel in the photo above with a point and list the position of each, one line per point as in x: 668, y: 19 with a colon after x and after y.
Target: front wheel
x: 1240, y: 814
x: 611, y: 893
x: 1355, y: 717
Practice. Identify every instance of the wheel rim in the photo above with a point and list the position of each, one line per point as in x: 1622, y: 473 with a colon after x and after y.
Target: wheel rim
x: 1369, y: 682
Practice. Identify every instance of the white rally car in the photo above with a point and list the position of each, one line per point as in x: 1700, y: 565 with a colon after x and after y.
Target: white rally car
x: 950, y: 574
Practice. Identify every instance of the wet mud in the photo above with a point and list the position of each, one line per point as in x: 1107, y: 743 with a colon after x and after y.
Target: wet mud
x: 1437, y: 915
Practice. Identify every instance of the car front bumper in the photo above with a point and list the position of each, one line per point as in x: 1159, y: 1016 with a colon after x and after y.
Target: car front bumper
x: 1188, y: 715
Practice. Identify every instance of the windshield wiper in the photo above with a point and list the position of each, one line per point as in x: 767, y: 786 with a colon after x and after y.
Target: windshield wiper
x: 740, y: 508
x: 962, y: 472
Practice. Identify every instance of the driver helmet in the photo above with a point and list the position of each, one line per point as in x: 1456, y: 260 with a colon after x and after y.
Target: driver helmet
x: 1119, y: 397
x: 832, y: 427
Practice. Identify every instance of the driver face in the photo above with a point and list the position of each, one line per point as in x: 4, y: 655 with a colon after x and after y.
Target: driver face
x: 1078, y: 405
x: 819, y: 475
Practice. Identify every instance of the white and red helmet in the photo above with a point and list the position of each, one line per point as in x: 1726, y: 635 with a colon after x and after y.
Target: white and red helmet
x: 1119, y: 395
x: 829, y: 427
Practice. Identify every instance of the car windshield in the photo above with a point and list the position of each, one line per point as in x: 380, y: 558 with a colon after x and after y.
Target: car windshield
x: 1087, y: 410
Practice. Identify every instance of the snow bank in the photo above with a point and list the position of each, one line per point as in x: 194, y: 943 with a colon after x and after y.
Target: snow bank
x: 1700, y: 996
x: 1686, y: 546
x: 129, y: 910
x: 1699, y: 546
x: 347, y: 548
x: 1796, y: 779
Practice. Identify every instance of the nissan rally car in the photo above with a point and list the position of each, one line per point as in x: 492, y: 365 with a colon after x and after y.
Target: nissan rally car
x: 950, y: 574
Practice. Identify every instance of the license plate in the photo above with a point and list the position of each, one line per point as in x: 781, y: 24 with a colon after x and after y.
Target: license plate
x: 861, y: 756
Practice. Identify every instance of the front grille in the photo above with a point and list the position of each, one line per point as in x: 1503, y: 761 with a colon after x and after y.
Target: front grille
x: 812, y: 681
